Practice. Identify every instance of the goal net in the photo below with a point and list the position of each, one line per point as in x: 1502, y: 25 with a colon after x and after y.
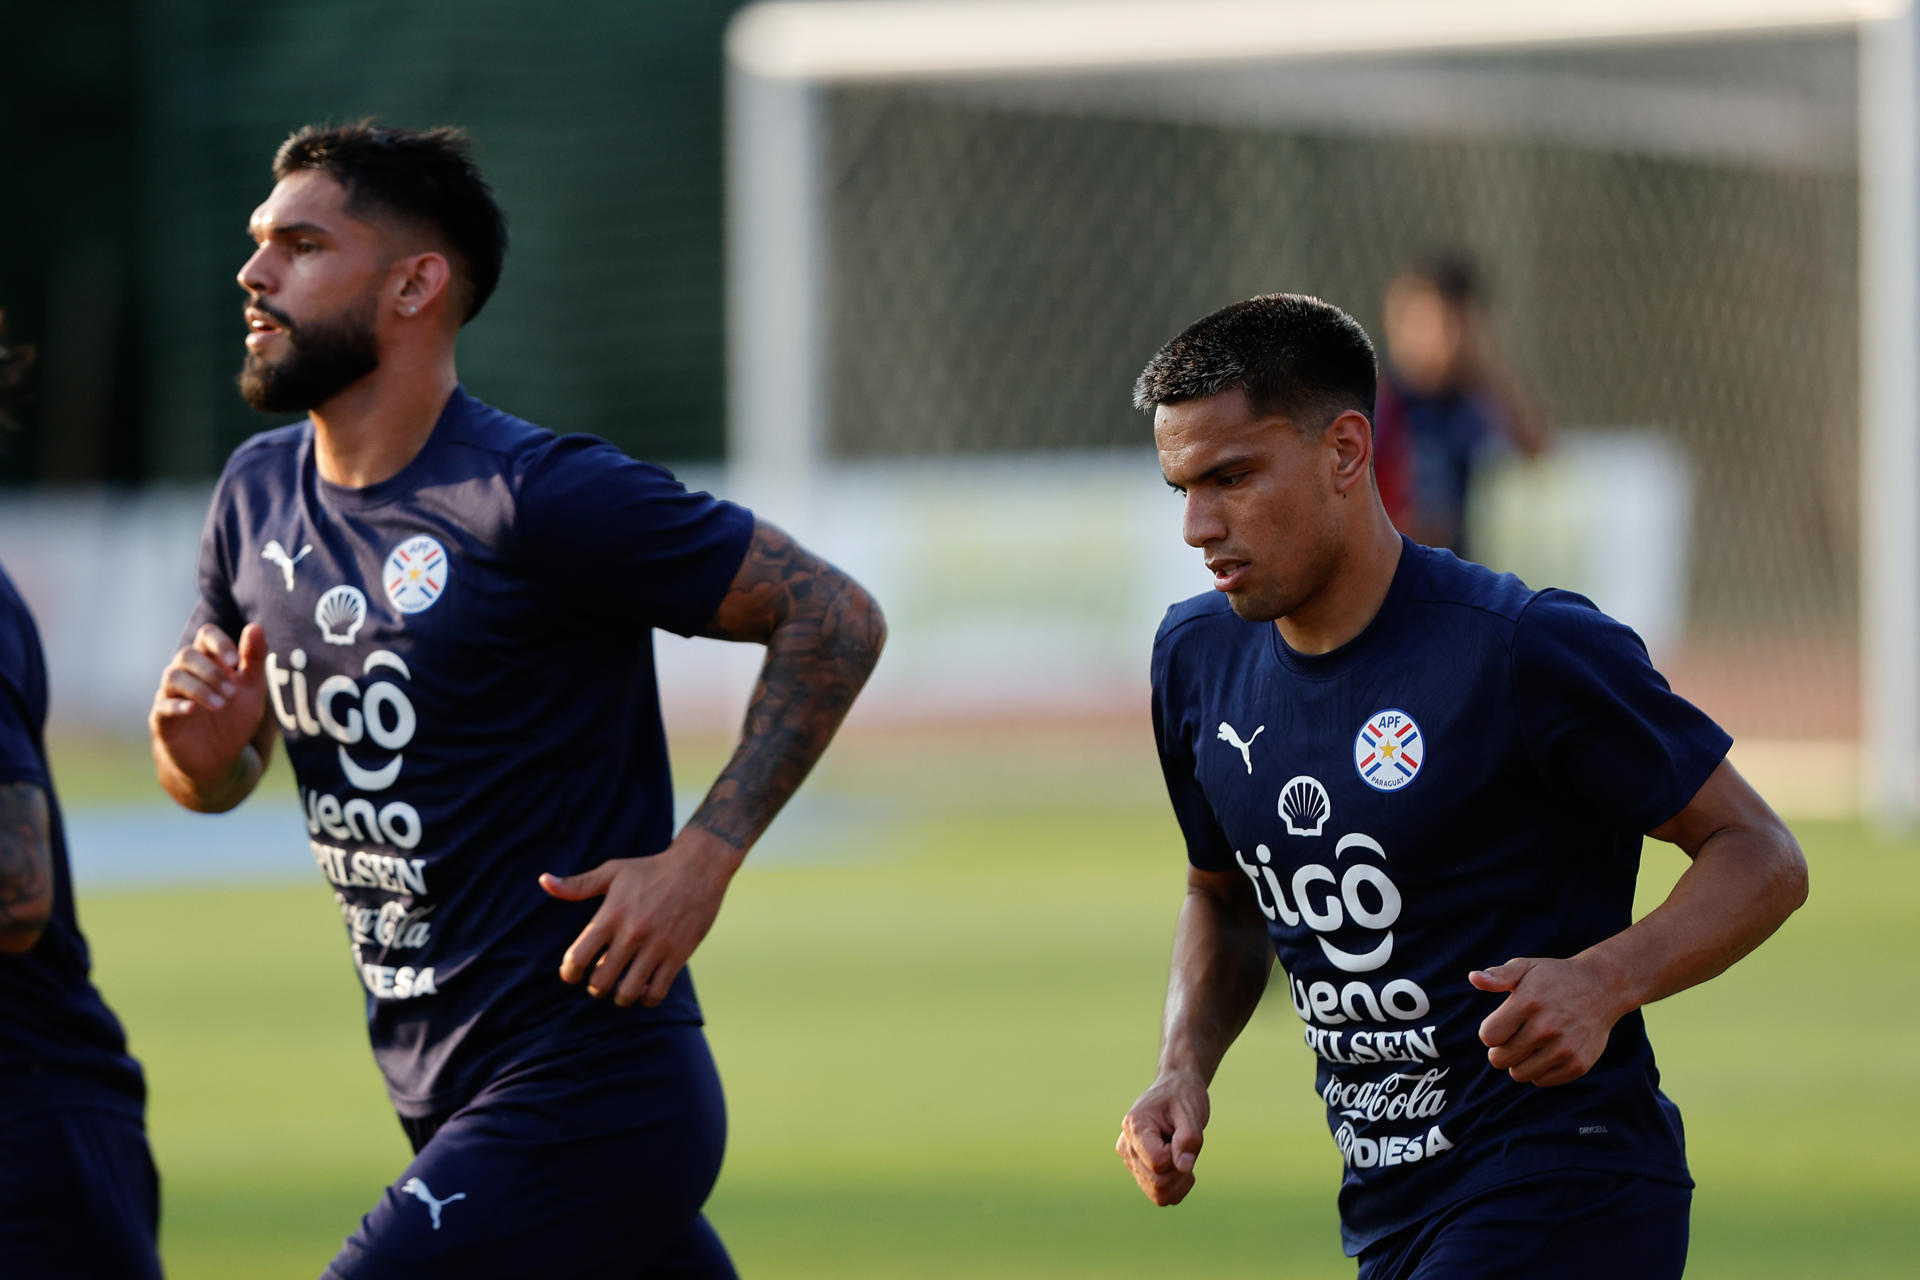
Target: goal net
x: 959, y: 230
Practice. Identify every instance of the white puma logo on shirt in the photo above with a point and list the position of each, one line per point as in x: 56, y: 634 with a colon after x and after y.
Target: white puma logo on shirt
x: 418, y: 1189
x: 278, y: 555
x: 1229, y: 736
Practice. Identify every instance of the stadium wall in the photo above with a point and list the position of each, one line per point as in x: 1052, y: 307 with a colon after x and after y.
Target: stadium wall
x: 1016, y: 585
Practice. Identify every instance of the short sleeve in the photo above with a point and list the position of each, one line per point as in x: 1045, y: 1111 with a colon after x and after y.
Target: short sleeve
x: 214, y: 575
x: 22, y: 673
x: 1174, y: 716
x: 1600, y: 723
x: 624, y: 542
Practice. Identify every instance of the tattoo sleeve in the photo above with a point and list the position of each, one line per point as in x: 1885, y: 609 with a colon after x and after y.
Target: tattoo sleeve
x: 26, y: 865
x: 823, y: 634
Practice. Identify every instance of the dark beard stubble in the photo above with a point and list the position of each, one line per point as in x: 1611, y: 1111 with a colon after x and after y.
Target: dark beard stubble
x: 324, y: 358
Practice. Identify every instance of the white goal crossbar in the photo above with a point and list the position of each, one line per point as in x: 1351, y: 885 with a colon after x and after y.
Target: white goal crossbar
x: 856, y: 40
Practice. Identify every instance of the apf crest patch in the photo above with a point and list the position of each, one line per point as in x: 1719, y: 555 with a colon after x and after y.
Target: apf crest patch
x: 415, y: 574
x: 1389, y: 750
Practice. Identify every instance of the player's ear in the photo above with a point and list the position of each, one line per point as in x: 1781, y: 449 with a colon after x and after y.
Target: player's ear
x: 418, y: 281
x: 1350, y: 438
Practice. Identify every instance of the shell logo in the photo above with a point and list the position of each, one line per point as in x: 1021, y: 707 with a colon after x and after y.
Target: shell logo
x: 340, y: 614
x: 1305, y: 806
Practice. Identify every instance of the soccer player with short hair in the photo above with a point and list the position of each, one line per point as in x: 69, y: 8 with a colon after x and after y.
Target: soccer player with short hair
x: 447, y: 614
x: 78, y: 1191
x: 1424, y: 787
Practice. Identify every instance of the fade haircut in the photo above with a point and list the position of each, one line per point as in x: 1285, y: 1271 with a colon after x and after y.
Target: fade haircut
x: 423, y: 177
x: 1292, y: 355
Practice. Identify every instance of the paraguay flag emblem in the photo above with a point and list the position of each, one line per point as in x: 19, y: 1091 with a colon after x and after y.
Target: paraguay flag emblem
x: 1389, y: 750
x: 415, y: 574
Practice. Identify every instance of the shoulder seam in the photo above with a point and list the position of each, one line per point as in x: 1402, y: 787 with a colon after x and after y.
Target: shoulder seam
x: 261, y: 448
x: 1167, y: 633
x: 266, y: 441
x: 1480, y: 608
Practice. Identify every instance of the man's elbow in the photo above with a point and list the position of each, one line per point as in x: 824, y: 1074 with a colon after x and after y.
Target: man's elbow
x: 1793, y: 877
x: 1788, y: 882
x: 877, y: 624
x: 858, y: 627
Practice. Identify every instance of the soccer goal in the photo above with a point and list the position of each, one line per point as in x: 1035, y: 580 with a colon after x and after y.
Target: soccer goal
x: 958, y: 229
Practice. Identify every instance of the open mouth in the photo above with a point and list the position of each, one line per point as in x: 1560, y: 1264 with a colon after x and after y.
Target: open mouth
x: 261, y: 328
x: 1228, y: 574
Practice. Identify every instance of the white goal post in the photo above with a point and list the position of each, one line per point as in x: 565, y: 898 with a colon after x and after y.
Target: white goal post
x: 784, y: 58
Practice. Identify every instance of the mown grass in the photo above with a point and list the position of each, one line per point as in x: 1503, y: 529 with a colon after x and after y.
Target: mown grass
x: 929, y: 1033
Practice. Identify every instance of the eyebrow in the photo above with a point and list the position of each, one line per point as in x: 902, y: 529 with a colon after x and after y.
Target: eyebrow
x: 1227, y: 464
x: 284, y: 229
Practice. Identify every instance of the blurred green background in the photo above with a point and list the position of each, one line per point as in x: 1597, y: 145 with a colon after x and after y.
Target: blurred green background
x: 930, y: 1021
x: 136, y: 135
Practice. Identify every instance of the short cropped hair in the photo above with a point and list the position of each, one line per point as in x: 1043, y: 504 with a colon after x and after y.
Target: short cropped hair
x: 1290, y: 353
x: 422, y: 176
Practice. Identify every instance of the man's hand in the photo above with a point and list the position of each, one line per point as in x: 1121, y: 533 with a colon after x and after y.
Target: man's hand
x: 1221, y: 959
x: 1160, y: 1138
x: 210, y: 707
x: 656, y: 912
x: 823, y: 634
x: 1554, y: 1023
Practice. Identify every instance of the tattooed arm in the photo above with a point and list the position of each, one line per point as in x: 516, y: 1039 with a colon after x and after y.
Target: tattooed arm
x: 26, y: 866
x: 823, y: 634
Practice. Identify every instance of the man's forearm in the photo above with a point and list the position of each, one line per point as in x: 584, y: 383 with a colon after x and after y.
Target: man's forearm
x: 1742, y: 886
x: 818, y: 658
x: 1221, y: 960
x: 26, y: 866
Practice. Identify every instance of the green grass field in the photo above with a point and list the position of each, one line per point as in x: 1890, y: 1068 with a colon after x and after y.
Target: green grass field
x: 928, y: 1039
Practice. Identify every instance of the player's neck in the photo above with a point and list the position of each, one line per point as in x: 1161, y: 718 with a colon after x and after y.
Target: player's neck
x: 1355, y: 589
x: 375, y: 427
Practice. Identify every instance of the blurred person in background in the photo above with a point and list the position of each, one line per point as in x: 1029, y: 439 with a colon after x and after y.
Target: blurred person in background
x: 1424, y: 789
x: 1448, y: 400
x: 78, y: 1192
x: 447, y: 613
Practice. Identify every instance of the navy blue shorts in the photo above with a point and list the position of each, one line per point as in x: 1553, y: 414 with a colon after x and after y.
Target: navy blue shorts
x: 78, y: 1197
x: 1575, y: 1224
x: 576, y: 1168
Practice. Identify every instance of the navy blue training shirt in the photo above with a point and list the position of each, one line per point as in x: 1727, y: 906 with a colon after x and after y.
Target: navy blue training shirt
x: 59, y: 1043
x: 1465, y: 782
x: 461, y: 662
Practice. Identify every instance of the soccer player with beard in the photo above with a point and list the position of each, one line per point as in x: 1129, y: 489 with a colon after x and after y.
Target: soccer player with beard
x: 1424, y: 788
x: 447, y: 614
x: 78, y: 1191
